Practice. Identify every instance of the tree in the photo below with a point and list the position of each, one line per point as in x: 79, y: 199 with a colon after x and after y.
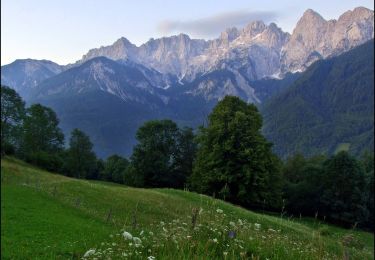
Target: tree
x: 367, y: 161
x: 186, y: 148
x: 12, y: 115
x: 163, y: 156
x: 343, y: 199
x: 234, y: 160
x: 115, y: 168
x: 81, y: 161
x: 154, y: 156
x: 42, y: 139
x: 40, y: 131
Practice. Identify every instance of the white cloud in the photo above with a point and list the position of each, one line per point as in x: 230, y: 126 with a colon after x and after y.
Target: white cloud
x: 212, y: 26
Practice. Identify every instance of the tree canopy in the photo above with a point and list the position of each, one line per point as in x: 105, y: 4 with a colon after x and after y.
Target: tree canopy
x: 234, y: 161
x: 81, y: 160
x: 12, y: 115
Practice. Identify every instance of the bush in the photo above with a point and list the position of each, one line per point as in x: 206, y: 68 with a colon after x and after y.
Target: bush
x: 49, y: 162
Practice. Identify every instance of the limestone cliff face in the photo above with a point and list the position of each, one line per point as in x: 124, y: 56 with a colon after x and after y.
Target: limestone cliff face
x: 315, y: 38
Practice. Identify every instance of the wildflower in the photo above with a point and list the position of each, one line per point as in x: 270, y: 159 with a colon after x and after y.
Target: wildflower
x: 151, y: 257
x: 127, y: 235
x: 219, y: 211
x: 240, y: 222
x: 232, y: 224
x: 257, y: 226
x: 89, y: 253
x: 188, y: 237
x: 114, y: 244
x: 271, y: 230
x: 137, y: 240
x: 214, y: 240
x: 232, y: 234
x: 225, y: 253
x: 162, y: 223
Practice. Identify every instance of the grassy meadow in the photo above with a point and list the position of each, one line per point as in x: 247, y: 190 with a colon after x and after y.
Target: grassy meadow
x: 49, y: 216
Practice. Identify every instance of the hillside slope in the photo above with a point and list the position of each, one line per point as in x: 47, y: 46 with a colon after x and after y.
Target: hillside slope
x: 330, y: 104
x: 48, y: 216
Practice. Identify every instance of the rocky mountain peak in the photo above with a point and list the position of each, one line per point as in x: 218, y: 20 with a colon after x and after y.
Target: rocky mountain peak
x: 315, y: 38
x: 229, y: 34
x: 310, y: 14
x: 124, y: 43
x: 254, y: 28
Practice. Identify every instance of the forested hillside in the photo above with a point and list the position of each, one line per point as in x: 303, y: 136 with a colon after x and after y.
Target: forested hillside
x: 331, y: 104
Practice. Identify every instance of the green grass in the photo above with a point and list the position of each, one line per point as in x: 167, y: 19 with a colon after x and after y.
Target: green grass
x: 342, y: 147
x: 49, y: 216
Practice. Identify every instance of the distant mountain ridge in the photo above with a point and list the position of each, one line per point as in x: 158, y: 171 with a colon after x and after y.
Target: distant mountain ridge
x: 112, y: 90
x: 270, y: 50
x: 25, y: 75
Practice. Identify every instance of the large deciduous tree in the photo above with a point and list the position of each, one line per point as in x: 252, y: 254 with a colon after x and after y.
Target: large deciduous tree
x: 163, y: 155
x: 234, y: 161
x: 12, y: 115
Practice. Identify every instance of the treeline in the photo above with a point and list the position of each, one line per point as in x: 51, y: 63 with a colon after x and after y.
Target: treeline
x: 228, y: 158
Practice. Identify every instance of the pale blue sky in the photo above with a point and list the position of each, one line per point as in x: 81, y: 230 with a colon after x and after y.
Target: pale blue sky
x: 64, y: 30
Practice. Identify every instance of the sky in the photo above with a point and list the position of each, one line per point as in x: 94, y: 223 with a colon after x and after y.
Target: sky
x: 64, y: 30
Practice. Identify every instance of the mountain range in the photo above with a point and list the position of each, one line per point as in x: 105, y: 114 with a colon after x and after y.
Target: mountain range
x: 112, y: 90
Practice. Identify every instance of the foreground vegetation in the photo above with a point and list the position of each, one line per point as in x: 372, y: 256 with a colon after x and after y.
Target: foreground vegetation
x: 49, y: 216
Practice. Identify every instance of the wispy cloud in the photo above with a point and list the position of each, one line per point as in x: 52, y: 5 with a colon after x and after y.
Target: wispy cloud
x: 212, y: 26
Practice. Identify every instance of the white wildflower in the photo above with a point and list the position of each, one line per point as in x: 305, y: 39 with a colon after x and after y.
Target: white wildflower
x: 219, y: 211
x: 225, y: 253
x: 240, y: 222
x: 127, y: 235
x: 214, y: 240
x: 137, y: 240
x: 151, y: 257
x: 257, y: 226
x: 114, y: 244
x: 271, y: 230
x: 89, y: 253
x: 232, y: 224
